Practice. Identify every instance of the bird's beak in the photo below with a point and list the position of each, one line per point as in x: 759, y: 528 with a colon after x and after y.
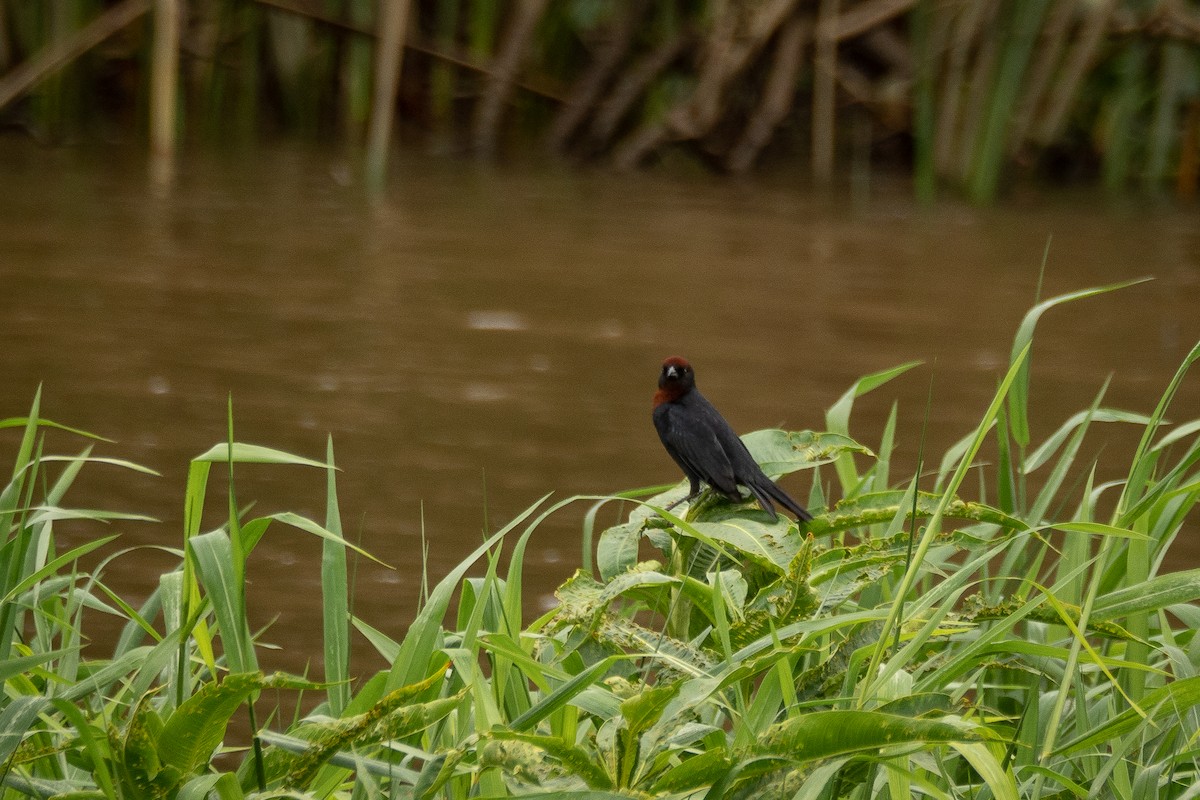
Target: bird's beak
x: 672, y: 372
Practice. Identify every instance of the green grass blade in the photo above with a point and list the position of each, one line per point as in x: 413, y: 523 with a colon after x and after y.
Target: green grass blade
x: 934, y: 525
x: 335, y: 593
x: 837, y: 418
x: 214, y: 562
x: 1018, y: 401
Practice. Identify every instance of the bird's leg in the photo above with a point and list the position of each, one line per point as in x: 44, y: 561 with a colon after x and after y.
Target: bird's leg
x: 693, y: 491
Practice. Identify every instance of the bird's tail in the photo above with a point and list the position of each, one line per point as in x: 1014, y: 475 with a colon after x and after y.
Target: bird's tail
x: 766, y: 491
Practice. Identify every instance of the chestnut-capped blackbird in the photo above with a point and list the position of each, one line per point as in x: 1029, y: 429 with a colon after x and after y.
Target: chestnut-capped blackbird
x: 705, y: 447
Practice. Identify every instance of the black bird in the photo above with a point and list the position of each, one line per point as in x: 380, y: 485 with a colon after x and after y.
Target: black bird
x: 705, y: 447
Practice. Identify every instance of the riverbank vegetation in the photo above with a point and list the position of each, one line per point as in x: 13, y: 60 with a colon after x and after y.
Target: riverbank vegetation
x: 999, y: 625
x: 962, y: 94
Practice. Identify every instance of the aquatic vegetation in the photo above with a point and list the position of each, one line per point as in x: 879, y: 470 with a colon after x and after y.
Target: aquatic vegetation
x: 963, y: 94
x: 998, y: 627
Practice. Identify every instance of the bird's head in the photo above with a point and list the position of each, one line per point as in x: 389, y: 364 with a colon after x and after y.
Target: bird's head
x: 676, y: 378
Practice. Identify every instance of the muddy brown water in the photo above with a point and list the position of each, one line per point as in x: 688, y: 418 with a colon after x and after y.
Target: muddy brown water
x: 483, y: 336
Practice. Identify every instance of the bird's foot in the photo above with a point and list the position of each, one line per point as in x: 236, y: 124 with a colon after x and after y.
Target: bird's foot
x: 703, y: 501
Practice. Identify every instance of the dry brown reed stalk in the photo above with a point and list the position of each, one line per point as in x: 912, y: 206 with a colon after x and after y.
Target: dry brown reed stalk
x: 616, y: 39
x: 500, y: 82
x: 865, y: 16
x: 778, y: 94
x: 824, y: 83
x: 632, y: 84
x: 737, y: 35
x: 164, y: 90
x: 393, y: 23
x: 1049, y: 55
x: 1078, y: 62
x: 967, y: 18
x: 66, y: 49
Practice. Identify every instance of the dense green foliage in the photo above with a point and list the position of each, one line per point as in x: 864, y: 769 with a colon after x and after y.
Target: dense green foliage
x: 963, y: 93
x: 1021, y: 643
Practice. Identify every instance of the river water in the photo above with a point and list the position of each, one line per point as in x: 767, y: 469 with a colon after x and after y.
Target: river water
x: 482, y: 336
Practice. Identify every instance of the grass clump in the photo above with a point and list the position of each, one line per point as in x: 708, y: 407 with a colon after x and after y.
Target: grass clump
x: 910, y: 640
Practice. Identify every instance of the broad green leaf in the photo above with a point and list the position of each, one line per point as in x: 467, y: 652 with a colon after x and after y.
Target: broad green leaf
x: 224, y: 784
x: 837, y: 418
x: 571, y: 758
x: 999, y: 780
x: 782, y: 452
x: 1156, y: 594
x: 693, y: 773
x: 214, y: 561
x: 770, y: 544
x: 20, y: 664
x: 15, y: 720
x: 90, y: 459
x: 42, y: 515
x: 150, y: 775
x: 335, y: 596
x: 882, y: 507
x: 53, y: 566
x: 308, y: 526
x: 385, y: 645
x: 564, y: 694
x: 617, y: 549
x: 644, y: 709
x: 34, y: 420
x: 823, y: 734
x: 194, y: 730
x: 1170, y: 702
x: 255, y: 454
x: 1049, y: 447
x: 1098, y: 529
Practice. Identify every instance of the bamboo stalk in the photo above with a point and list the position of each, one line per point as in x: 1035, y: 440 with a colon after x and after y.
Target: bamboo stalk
x: 164, y: 90
x: 66, y: 49
x: 824, y: 83
x: 389, y: 52
x: 499, y: 85
x: 778, y: 94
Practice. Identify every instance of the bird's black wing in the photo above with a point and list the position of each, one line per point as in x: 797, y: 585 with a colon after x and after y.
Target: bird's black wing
x: 690, y: 438
x: 745, y: 468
